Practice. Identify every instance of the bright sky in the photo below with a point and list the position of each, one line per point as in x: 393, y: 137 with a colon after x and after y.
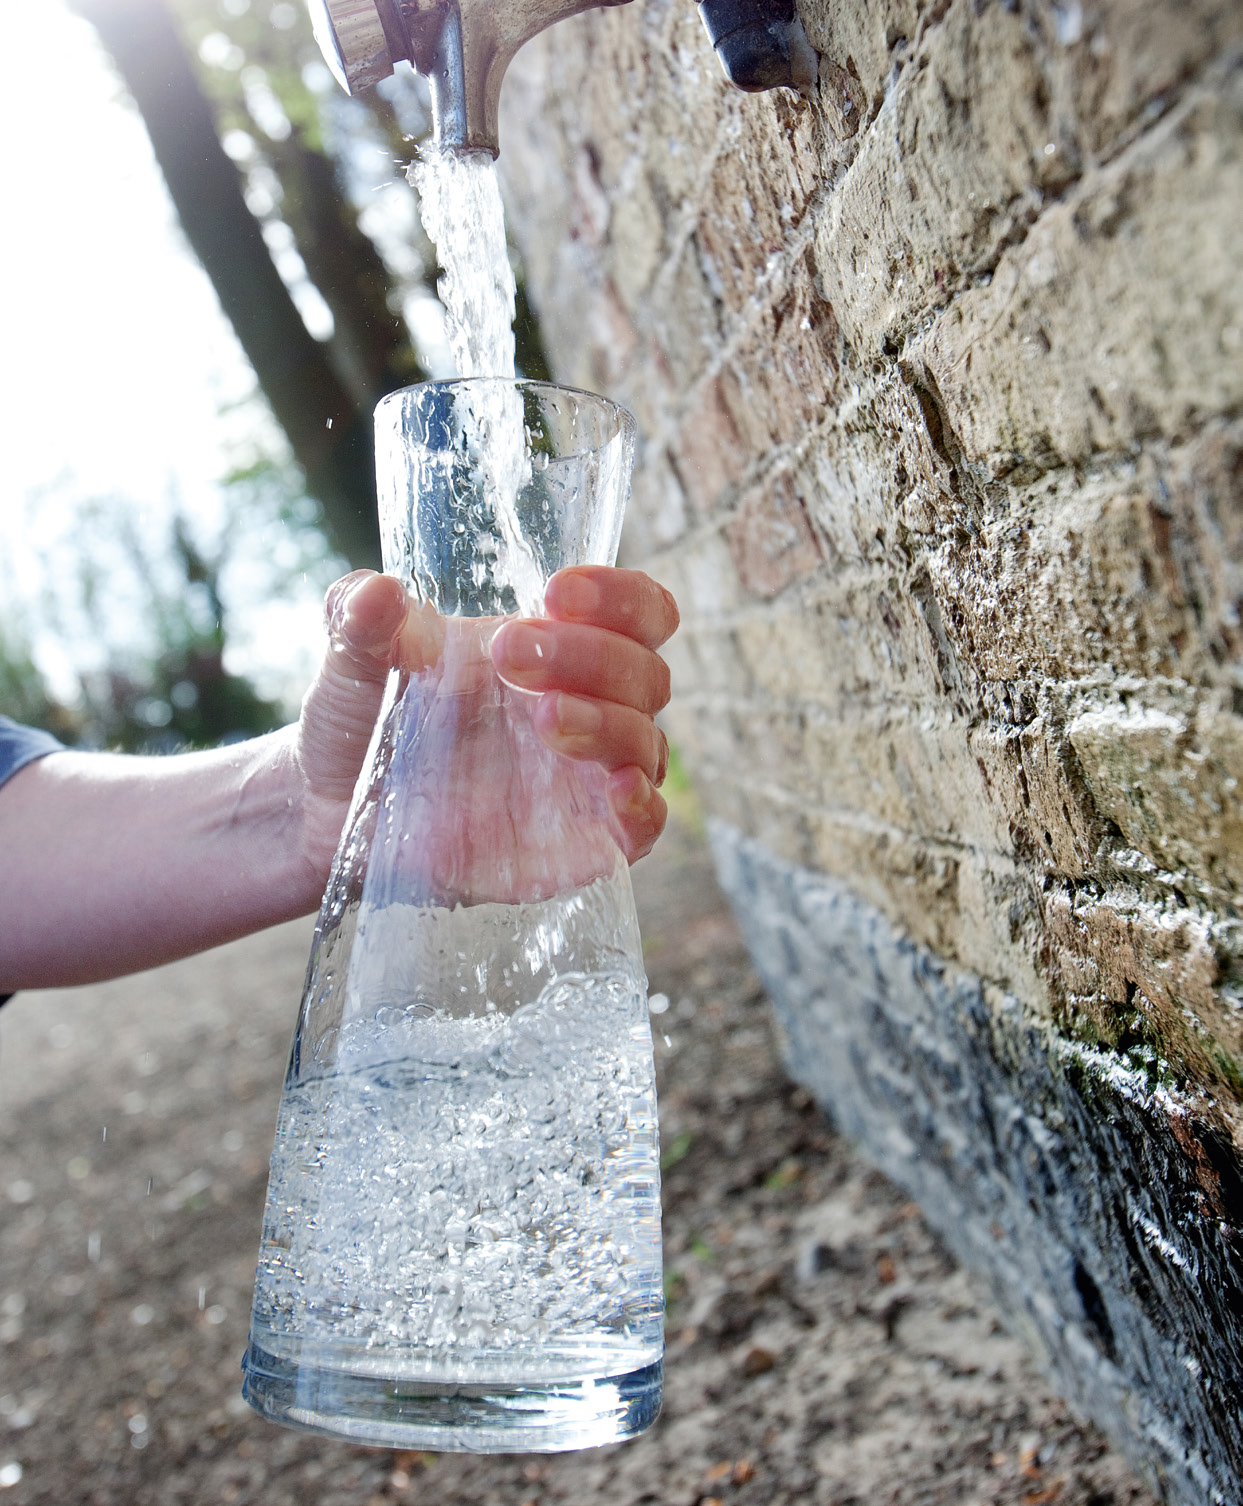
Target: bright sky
x: 117, y: 360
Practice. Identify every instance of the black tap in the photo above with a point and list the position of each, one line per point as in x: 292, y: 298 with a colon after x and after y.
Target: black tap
x: 761, y: 43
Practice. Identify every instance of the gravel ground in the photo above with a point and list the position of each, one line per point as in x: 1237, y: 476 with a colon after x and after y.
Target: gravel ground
x: 823, y: 1348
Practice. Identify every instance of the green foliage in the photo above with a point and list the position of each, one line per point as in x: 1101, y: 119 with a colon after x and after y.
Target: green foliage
x: 150, y: 612
x: 248, y: 48
x: 701, y: 1249
x: 675, y: 1288
x: 677, y: 1150
x: 677, y: 780
x: 680, y: 794
x: 24, y: 694
x: 181, y: 694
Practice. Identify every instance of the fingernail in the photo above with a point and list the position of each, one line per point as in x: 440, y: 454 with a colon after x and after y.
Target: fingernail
x: 577, y: 717
x: 526, y: 647
x: 662, y: 757
x: 339, y: 595
x: 350, y: 598
x: 635, y: 801
x: 578, y: 596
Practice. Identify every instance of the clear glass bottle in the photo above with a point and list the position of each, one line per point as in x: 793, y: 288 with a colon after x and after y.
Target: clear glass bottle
x: 461, y: 1246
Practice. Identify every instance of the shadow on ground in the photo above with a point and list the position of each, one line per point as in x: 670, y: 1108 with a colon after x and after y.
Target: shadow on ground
x: 822, y: 1346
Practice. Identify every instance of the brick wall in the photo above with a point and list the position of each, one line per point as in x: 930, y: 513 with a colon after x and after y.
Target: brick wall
x: 940, y: 383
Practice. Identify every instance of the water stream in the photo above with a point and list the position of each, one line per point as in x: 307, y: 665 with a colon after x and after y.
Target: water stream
x: 460, y: 201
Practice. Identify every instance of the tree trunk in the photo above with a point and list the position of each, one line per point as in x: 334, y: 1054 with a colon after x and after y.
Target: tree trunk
x: 330, y: 435
x: 369, y: 349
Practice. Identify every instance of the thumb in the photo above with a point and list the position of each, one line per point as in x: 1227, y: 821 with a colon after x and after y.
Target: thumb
x: 364, y: 613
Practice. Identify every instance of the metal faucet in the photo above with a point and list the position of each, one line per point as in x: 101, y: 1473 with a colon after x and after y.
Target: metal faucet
x: 463, y: 48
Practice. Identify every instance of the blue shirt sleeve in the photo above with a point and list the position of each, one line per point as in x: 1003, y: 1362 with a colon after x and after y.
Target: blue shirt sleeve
x: 22, y: 745
x: 19, y: 746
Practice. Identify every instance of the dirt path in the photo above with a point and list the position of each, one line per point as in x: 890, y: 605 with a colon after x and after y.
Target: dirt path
x: 823, y: 1348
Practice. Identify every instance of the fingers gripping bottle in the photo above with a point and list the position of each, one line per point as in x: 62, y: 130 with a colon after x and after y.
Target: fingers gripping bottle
x: 461, y: 1245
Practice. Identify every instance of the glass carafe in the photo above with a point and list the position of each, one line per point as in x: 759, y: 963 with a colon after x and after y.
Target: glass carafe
x: 461, y: 1245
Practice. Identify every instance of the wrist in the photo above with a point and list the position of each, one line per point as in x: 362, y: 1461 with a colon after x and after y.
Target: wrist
x: 299, y: 831
x: 315, y: 820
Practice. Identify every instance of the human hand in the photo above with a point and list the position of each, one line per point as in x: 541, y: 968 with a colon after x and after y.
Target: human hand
x: 601, y: 682
x: 599, y: 679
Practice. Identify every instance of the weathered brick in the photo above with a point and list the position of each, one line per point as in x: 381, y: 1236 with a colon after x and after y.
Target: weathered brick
x: 957, y: 158
x: 684, y: 317
x: 772, y: 540
x: 710, y: 454
x: 739, y: 230
x: 636, y: 239
x: 862, y: 634
x: 968, y: 910
x: 1199, y: 488
x: 941, y: 376
x: 780, y: 382
x: 1114, y: 60
x: 701, y: 574
x: 1030, y: 779
x: 843, y: 100
x: 1132, y: 567
x: 862, y: 39
x: 897, y: 766
x: 683, y: 109
x: 1170, y: 783
x: 1143, y: 975
x: 754, y: 199
x: 894, y: 871
x: 1117, y: 318
x: 658, y: 513
x: 872, y: 476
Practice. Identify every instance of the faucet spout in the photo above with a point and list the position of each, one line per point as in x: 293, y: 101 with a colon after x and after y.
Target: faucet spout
x: 446, y: 77
x: 463, y: 47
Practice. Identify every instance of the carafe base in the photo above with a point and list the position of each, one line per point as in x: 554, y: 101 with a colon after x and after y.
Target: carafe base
x: 450, y: 1417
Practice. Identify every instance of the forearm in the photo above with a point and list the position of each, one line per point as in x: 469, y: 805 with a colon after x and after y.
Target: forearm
x: 110, y: 864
